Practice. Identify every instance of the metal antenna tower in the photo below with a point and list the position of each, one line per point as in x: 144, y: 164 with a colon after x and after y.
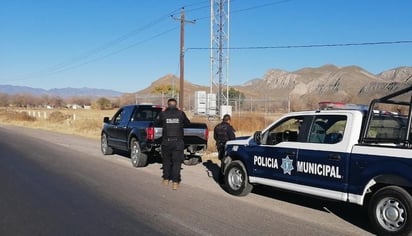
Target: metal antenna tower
x: 219, y: 50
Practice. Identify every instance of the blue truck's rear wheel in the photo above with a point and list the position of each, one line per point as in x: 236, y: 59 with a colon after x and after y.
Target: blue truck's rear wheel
x: 236, y: 179
x: 138, y: 158
x: 390, y: 211
x: 191, y: 160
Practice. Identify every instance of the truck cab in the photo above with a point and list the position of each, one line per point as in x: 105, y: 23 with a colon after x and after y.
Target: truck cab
x: 302, y: 150
x: 129, y: 119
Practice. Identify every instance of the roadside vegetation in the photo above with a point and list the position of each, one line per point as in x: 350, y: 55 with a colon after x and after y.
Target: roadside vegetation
x: 84, y: 115
x: 88, y: 122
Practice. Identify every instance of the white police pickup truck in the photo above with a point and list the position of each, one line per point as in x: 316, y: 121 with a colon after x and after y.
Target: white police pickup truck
x: 352, y: 155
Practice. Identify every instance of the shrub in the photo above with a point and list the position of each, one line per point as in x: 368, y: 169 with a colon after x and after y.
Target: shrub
x: 21, y: 116
x: 57, y: 117
x: 89, y: 126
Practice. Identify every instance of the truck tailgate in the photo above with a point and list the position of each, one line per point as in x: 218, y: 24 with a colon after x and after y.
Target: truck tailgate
x: 195, y: 133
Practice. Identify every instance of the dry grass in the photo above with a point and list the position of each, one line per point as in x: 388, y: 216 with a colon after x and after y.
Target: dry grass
x: 88, y: 123
x: 12, y: 116
x: 81, y: 122
x: 245, y: 124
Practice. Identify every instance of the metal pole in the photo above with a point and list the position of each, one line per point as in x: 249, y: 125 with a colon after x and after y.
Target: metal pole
x: 182, y: 59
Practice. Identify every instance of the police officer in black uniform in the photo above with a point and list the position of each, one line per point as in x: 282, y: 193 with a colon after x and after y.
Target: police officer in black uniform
x: 172, y: 120
x: 223, y: 132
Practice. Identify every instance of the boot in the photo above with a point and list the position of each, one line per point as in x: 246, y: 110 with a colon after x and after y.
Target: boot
x: 175, y: 185
x: 165, y: 182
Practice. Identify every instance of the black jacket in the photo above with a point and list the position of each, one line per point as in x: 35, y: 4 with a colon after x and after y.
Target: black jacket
x: 172, y: 120
x: 223, y: 132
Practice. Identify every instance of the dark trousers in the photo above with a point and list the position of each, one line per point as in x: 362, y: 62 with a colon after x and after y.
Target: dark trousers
x: 221, y: 155
x: 173, y: 155
x: 221, y: 151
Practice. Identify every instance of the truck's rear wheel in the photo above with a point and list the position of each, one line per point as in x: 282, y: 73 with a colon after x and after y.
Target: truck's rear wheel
x: 191, y: 161
x: 236, y: 179
x: 106, y: 150
x: 390, y: 210
x: 138, y: 158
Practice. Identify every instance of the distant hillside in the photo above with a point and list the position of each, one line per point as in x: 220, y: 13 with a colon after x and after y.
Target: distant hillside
x: 62, y: 92
x: 308, y: 86
x: 304, y: 88
x: 148, y: 95
x: 329, y: 82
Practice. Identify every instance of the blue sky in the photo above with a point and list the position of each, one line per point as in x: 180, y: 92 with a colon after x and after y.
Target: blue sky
x: 125, y: 45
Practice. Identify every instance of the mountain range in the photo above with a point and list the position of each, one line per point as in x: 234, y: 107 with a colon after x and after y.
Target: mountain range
x: 61, y: 92
x: 305, y: 86
x: 349, y: 84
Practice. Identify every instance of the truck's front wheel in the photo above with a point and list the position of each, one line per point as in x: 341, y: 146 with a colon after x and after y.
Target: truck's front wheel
x: 138, y: 158
x: 236, y: 179
x: 389, y: 211
x: 106, y: 150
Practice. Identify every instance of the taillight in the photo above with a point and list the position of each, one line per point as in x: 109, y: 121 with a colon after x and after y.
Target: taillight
x: 207, y: 134
x: 150, y: 133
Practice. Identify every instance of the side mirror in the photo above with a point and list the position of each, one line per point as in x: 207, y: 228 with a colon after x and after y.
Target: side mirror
x: 257, y: 136
x: 106, y: 120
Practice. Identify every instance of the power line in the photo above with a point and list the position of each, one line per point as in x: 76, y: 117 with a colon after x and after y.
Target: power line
x: 86, y: 57
x: 71, y: 63
x: 260, y: 6
x: 247, y: 8
x: 68, y: 65
x: 139, y: 30
x: 310, y: 45
x: 115, y: 52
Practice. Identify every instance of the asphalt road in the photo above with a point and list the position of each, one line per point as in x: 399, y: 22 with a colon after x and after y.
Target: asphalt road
x: 56, y: 184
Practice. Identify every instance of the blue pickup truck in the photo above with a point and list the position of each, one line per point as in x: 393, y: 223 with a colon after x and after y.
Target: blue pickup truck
x: 352, y: 155
x: 131, y: 129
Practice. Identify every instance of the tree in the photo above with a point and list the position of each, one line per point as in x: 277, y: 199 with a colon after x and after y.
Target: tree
x: 235, y: 97
x: 53, y: 101
x: 103, y: 104
x: 4, y: 100
x: 80, y: 100
x: 166, y: 90
x: 57, y: 101
x: 126, y: 99
x: 20, y: 100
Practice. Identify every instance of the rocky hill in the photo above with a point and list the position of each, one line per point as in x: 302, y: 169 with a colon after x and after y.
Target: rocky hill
x: 329, y: 82
x: 307, y: 86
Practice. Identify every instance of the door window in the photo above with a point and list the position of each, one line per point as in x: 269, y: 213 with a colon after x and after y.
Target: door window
x: 327, y: 129
x: 119, y: 116
x: 286, y: 130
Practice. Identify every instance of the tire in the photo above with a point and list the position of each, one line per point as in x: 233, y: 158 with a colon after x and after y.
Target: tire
x: 191, y: 161
x: 237, y: 180
x: 390, y: 211
x: 104, y: 145
x: 138, y: 158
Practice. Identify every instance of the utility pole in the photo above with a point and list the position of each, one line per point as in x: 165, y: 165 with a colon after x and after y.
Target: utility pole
x: 182, y: 55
